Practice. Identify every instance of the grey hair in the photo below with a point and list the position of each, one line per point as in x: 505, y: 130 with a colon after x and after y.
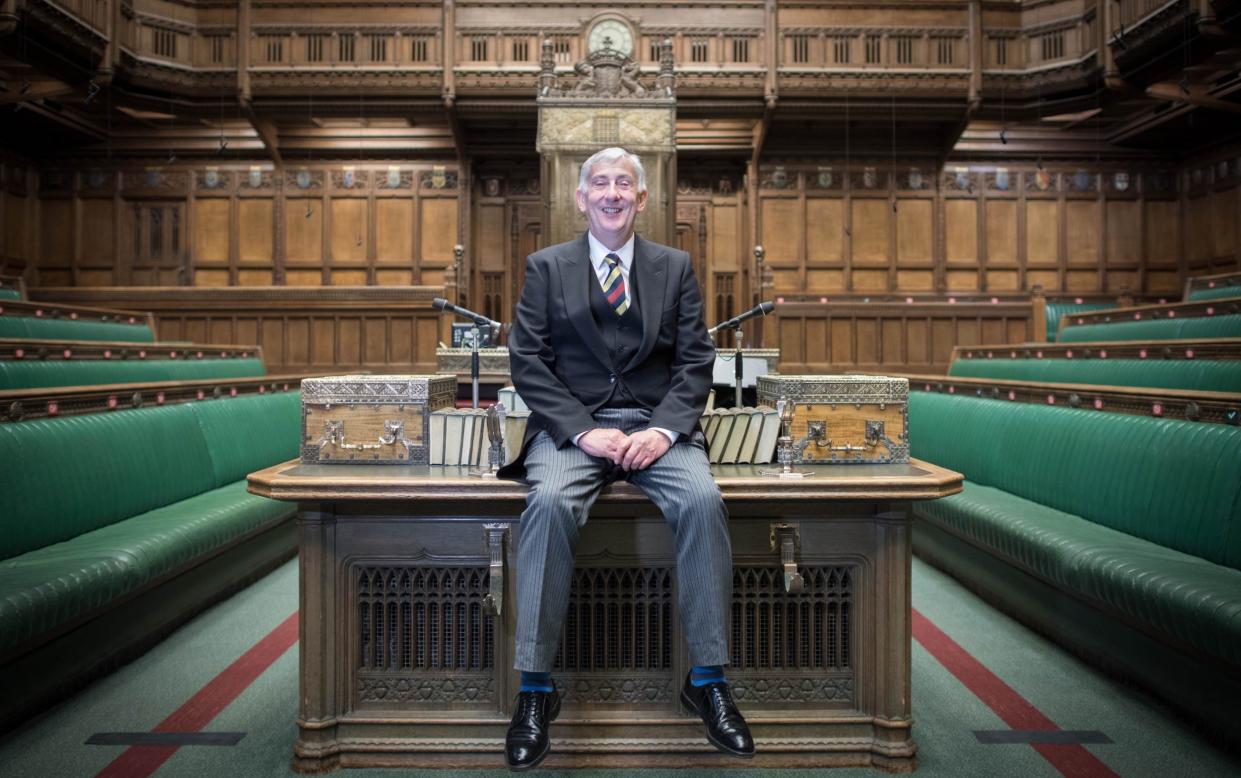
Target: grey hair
x: 609, y: 156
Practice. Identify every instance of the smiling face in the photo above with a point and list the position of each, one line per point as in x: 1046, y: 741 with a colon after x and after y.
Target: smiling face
x: 611, y: 202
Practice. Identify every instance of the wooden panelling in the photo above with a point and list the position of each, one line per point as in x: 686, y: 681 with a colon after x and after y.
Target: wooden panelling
x: 254, y: 229
x: 961, y: 280
x: 870, y: 233
x: 394, y: 277
x: 1001, y: 233
x: 915, y: 280
x: 1081, y: 280
x: 1124, y: 232
x: 824, y: 281
x: 490, y: 237
x: 95, y: 278
x: 394, y: 231
x: 98, y: 225
x: 56, y: 238
x: 852, y: 335
x: 1165, y: 281
x: 365, y: 329
x: 1003, y: 281
x: 254, y: 277
x: 210, y: 278
x: 349, y: 230
x: 825, y: 231
x: 915, y: 242
x: 783, y: 226
x: 303, y: 231
x: 1082, y: 238
x: 1199, y: 239
x: 212, y: 226
x: 787, y: 281
x: 1224, y: 222
x: 1163, y: 233
x: 961, y: 231
x: 303, y: 277
x: 348, y: 278
x: 1042, y: 232
x: 725, y: 231
x: 870, y: 280
x: 438, y: 228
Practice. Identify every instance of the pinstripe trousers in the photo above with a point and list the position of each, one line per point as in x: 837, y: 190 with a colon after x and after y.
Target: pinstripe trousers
x: 564, y: 484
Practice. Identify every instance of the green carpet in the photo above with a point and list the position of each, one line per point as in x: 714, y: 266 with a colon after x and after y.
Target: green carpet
x: 1148, y: 739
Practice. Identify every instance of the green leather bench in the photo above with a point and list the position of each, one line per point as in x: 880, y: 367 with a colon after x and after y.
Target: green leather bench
x: 1057, y: 310
x: 1195, y: 328
x: 1202, y: 375
x: 1216, y: 293
x: 1119, y: 536
x: 119, y: 526
x: 35, y: 373
x: 10, y: 293
x: 73, y: 329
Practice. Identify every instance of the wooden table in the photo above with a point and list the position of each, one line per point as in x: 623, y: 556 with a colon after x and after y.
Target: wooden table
x: 407, y: 619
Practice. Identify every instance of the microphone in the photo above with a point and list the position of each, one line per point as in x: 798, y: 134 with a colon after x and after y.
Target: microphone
x: 440, y: 304
x: 762, y: 309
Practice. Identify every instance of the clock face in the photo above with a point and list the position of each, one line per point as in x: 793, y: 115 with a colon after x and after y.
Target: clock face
x: 610, y: 34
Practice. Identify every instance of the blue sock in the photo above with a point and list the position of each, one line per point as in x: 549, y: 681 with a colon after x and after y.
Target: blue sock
x: 536, y: 682
x: 701, y: 675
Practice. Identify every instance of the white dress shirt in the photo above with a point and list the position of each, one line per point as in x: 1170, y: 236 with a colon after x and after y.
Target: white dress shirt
x: 598, y: 254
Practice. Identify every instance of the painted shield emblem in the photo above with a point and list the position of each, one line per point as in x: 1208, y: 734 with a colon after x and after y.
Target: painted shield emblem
x: 154, y: 177
x: 870, y: 177
x: 347, y: 179
x: 1001, y: 178
x: 780, y: 177
x: 915, y: 178
x: 256, y: 178
x: 492, y: 187
x: 1081, y: 180
x: 1121, y: 181
x: 211, y: 179
x: 394, y: 177
x: 303, y: 179
x: 1042, y: 179
x: 825, y: 178
x: 439, y: 179
x: 962, y: 179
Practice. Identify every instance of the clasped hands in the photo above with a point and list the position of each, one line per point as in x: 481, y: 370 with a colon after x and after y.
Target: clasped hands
x: 630, y: 452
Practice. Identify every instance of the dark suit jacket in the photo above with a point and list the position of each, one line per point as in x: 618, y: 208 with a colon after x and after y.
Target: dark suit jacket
x: 559, y: 361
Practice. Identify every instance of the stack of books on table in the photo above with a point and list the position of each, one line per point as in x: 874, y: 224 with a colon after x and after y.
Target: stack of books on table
x: 738, y: 436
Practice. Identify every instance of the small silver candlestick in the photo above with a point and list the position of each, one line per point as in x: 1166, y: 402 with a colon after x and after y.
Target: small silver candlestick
x: 786, y: 452
x: 495, y: 435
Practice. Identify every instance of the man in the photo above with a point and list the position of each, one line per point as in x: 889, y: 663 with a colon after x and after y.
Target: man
x: 610, y: 352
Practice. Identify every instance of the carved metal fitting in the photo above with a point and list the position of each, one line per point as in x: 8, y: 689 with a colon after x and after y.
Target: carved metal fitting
x: 493, y: 601
x: 787, y: 538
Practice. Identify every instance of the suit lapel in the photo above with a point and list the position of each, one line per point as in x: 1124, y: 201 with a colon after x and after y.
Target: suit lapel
x: 650, y: 267
x: 576, y: 274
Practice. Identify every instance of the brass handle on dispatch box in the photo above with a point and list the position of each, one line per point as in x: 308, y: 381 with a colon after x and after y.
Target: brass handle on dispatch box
x: 787, y: 537
x: 394, y: 432
x: 816, y: 434
x: 493, y: 601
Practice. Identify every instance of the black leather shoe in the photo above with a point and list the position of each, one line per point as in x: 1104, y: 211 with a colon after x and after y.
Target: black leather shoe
x: 528, y: 739
x: 726, y: 727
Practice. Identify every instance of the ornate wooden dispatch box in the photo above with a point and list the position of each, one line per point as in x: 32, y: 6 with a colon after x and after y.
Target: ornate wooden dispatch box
x: 844, y: 418
x: 375, y: 419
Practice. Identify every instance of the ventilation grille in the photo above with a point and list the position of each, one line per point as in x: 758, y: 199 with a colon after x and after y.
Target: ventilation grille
x: 773, y: 630
x: 618, y: 619
x: 419, y: 619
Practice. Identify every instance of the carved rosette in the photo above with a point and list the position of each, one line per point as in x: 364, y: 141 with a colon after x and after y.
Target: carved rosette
x: 792, y: 688
x: 458, y: 687
x: 619, y: 691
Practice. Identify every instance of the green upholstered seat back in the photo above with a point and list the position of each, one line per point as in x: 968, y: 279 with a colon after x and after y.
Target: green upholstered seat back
x: 10, y: 293
x: 1219, y: 326
x: 1202, y: 375
x: 245, y: 434
x: 1217, y: 293
x: 1174, y: 483
x: 1056, y: 310
x: 70, y: 329
x: 75, y: 474
x: 34, y: 373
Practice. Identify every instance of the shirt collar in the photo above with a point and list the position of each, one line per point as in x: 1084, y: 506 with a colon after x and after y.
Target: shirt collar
x: 598, y: 251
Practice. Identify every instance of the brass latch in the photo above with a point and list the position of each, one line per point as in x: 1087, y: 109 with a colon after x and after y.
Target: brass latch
x: 394, y: 432
x: 493, y: 601
x: 787, y: 538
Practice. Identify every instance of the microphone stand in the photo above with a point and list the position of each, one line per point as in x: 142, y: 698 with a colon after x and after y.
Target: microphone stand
x: 476, y: 336
x: 738, y: 368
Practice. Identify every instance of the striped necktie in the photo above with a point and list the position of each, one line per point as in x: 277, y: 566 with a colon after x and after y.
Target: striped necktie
x: 614, y: 286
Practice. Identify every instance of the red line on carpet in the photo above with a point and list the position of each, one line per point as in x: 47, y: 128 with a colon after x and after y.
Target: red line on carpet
x: 199, y: 710
x: 1072, y: 760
